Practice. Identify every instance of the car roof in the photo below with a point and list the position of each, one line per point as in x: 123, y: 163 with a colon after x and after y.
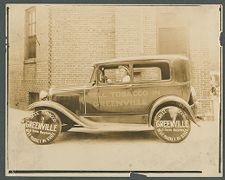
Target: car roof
x: 142, y: 58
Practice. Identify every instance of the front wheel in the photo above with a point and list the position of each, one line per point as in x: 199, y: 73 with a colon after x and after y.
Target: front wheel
x: 43, y: 126
x: 172, y: 124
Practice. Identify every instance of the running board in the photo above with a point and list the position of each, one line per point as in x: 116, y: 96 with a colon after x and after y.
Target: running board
x: 116, y: 127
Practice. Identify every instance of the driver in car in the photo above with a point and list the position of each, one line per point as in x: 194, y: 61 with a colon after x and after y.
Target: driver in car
x: 124, y: 73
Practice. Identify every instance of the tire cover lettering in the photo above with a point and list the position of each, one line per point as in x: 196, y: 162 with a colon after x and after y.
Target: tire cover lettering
x: 42, y: 127
x: 172, y: 124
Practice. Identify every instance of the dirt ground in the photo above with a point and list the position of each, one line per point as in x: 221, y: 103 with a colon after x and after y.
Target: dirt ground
x: 115, y: 151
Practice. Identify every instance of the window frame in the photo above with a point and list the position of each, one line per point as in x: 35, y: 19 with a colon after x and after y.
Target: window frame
x: 30, y: 34
x: 153, y: 81
x: 114, y: 84
x: 131, y: 68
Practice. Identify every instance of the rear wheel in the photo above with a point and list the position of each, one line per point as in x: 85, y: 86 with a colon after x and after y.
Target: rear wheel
x: 43, y: 126
x: 171, y: 124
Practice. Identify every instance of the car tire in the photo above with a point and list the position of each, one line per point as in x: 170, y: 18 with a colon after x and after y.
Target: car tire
x: 43, y: 126
x: 171, y: 124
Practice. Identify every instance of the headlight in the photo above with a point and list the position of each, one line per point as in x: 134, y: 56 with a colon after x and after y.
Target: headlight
x: 50, y: 92
x: 43, y: 95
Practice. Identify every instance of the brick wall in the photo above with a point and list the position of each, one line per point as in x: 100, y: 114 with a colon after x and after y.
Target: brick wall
x: 70, y: 38
x: 38, y: 69
x: 149, y: 31
x: 81, y: 35
x: 27, y: 75
x: 128, y: 29
x: 201, y: 56
x: 16, y: 55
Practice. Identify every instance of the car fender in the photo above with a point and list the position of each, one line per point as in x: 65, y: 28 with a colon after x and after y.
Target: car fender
x: 58, y: 107
x: 171, y: 101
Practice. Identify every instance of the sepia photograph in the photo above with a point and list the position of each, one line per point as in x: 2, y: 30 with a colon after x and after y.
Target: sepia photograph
x: 110, y: 90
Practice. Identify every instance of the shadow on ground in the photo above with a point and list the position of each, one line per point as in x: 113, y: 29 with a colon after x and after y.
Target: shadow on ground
x: 108, y: 136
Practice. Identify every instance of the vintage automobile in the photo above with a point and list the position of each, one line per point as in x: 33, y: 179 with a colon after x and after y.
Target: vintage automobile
x: 125, y: 94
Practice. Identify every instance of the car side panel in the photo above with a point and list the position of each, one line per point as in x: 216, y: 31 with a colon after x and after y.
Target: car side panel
x: 149, y: 93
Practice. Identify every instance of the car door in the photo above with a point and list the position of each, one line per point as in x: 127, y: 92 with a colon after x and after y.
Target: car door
x: 116, y: 98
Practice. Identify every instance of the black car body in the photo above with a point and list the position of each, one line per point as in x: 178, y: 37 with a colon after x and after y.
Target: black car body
x: 154, y: 83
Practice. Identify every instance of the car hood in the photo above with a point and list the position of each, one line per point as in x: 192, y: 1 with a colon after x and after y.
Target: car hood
x: 70, y: 97
x: 67, y: 90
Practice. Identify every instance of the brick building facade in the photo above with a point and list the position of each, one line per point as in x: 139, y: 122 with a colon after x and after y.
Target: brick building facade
x: 52, y: 45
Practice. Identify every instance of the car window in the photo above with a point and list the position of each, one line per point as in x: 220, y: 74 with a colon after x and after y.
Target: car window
x: 114, y: 74
x: 146, y: 74
x: 151, y: 72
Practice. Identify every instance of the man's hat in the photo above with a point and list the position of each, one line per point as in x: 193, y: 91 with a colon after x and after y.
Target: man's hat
x: 124, y: 67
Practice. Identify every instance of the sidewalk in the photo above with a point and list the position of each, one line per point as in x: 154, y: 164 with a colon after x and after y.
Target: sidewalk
x: 114, y: 150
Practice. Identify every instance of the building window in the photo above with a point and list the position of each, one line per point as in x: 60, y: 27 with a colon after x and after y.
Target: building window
x: 33, y: 97
x: 173, y: 40
x: 30, y: 33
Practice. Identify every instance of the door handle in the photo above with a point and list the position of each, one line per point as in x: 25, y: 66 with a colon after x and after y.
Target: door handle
x: 129, y: 86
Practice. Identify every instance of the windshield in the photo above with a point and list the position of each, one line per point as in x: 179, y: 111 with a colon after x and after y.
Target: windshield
x: 92, y: 79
